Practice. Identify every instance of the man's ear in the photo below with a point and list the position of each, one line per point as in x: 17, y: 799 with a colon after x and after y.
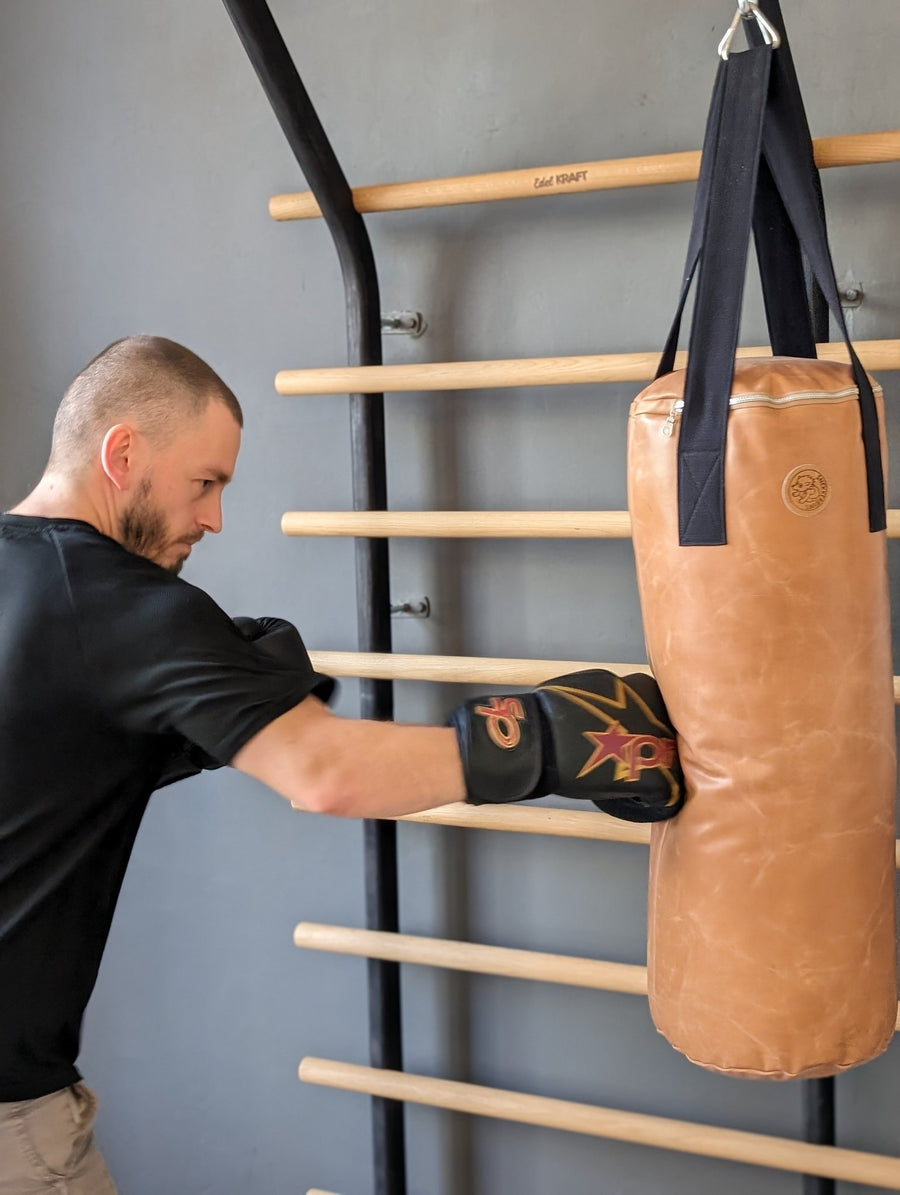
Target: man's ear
x: 118, y: 455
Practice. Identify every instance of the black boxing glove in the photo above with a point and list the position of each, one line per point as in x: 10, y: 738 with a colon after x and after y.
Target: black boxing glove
x: 281, y: 640
x: 591, y: 734
x: 271, y: 633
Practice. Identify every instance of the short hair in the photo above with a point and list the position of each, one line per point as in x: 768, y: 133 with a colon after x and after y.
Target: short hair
x: 155, y: 382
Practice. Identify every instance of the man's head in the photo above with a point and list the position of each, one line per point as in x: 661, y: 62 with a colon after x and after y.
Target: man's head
x: 155, y: 432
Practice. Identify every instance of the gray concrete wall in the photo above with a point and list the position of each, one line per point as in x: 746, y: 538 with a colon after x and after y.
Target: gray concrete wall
x: 137, y: 154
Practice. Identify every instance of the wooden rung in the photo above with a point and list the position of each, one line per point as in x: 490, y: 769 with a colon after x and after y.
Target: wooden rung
x: 468, y: 956
x: 318, y: 1191
x: 463, y: 670
x: 474, y: 524
x: 534, y: 819
x: 453, y: 669
x: 734, y: 1145
x: 571, y: 971
x: 477, y: 524
x: 537, y: 371
x: 851, y: 150
x: 542, y: 819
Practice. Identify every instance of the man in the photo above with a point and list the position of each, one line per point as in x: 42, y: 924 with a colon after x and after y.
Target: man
x: 117, y: 677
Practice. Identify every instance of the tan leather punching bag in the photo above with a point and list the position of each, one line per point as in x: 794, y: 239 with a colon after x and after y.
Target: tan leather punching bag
x: 762, y: 575
x: 771, y: 945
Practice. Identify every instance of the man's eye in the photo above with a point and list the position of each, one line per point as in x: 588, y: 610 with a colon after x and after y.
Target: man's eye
x: 205, y: 482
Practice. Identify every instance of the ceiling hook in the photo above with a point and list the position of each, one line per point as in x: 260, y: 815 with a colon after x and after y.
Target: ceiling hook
x: 747, y: 11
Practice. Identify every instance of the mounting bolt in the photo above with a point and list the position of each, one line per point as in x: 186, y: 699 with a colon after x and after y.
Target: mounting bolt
x: 403, y: 323
x: 411, y: 608
x: 852, y: 294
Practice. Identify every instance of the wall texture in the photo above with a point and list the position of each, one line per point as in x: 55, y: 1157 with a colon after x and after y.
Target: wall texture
x: 137, y: 154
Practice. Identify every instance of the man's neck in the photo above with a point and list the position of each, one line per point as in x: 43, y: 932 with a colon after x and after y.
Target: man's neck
x: 56, y: 497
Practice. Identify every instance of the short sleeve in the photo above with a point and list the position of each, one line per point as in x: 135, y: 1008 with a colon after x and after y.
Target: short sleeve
x: 166, y: 660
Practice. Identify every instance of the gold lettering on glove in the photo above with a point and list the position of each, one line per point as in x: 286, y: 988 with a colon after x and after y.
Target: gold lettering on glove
x: 502, y: 718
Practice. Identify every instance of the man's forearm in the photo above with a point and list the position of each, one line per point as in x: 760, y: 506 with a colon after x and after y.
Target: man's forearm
x: 387, y: 769
x: 349, y: 767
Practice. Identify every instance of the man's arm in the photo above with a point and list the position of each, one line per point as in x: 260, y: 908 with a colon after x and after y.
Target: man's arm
x: 348, y: 767
x: 590, y: 735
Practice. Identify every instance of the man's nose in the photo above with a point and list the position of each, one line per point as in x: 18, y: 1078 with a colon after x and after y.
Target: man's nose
x: 211, y: 514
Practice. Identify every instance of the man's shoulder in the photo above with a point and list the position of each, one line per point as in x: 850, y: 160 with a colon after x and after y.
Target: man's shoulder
x: 107, y: 582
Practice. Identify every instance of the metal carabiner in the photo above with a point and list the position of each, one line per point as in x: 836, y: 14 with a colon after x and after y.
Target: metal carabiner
x: 747, y: 11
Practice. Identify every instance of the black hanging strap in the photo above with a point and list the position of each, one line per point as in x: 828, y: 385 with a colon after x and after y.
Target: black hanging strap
x: 781, y: 266
x: 757, y: 109
x: 781, y: 271
x: 698, y: 223
x: 720, y: 288
x: 787, y: 149
x: 778, y: 251
x: 792, y: 177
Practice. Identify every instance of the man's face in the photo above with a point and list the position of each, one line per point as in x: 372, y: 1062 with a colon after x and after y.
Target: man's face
x: 179, y: 497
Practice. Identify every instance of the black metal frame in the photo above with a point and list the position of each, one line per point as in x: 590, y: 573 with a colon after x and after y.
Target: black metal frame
x: 284, y: 89
x: 299, y: 121
x: 818, y: 1128
x: 818, y: 1095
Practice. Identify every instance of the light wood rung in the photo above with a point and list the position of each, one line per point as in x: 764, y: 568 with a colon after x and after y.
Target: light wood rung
x: 855, y: 149
x: 474, y: 958
x: 537, y: 371
x: 463, y: 670
x: 734, y: 1145
x: 529, y: 818
x: 534, y: 819
x: 543, y: 819
x: 453, y: 669
x: 466, y: 524
x: 477, y: 524
x: 569, y: 970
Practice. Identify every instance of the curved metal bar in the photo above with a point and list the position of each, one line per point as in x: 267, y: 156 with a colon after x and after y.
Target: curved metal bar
x: 300, y: 123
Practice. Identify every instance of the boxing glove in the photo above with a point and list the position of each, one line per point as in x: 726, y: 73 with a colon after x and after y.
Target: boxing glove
x: 281, y: 640
x: 591, y: 735
x: 277, y: 636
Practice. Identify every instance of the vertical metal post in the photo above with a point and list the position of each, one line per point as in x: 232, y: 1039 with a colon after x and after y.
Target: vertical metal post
x: 818, y: 1095
x: 299, y: 121
x: 818, y: 1128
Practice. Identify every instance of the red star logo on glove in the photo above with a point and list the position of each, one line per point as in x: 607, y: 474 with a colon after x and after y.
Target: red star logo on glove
x: 608, y: 744
x: 632, y: 752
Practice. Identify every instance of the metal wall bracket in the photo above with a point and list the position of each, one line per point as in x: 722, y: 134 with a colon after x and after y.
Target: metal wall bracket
x: 851, y: 294
x: 412, y: 608
x: 403, y: 323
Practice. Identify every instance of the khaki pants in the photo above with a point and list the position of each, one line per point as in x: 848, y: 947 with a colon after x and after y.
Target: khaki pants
x: 47, y: 1145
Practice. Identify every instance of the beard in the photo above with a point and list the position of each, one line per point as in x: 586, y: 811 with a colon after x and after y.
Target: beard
x: 143, y: 529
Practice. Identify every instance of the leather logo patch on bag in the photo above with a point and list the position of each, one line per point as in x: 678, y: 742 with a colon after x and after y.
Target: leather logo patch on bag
x: 806, y: 490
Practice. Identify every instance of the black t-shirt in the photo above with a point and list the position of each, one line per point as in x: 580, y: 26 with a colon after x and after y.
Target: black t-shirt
x: 115, y: 677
